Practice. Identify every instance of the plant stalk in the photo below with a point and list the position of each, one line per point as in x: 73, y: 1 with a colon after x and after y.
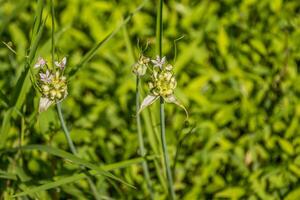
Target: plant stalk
x: 65, y: 129
x: 52, y: 32
x: 141, y: 141
x: 165, y: 149
x: 159, y: 33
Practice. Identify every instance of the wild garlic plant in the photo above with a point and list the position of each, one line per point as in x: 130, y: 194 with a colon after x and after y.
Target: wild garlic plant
x: 162, y: 82
x: 51, y: 82
x: 162, y: 85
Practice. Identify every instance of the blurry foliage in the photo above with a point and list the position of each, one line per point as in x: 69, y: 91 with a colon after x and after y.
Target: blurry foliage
x: 237, y: 68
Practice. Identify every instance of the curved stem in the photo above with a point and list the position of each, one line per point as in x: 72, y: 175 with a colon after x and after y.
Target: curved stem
x: 65, y: 129
x: 141, y: 141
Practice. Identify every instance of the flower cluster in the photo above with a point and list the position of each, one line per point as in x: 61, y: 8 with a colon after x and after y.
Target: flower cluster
x: 51, y: 83
x: 162, y: 83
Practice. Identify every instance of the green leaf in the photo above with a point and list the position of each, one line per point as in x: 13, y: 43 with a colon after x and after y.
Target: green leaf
x: 232, y: 192
x: 293, y: 195
x: 223, y: 41
x: 295, y: 169
x: 259, y: 46
x: 286, y: 146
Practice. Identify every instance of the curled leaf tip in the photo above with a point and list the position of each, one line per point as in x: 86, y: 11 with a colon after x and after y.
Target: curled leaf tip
x: 172, y: 99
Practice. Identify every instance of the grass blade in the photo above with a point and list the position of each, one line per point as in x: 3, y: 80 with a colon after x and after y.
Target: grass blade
x: 68, y: 156
x: 7, y: 175
x: 65, y: 180
x: 4, y: 98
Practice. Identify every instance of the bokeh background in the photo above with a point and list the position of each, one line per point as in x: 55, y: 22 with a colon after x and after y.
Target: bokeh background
x: 237, y: 67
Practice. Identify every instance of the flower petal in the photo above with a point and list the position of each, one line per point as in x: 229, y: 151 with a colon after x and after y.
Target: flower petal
x: 40, y: 62
x: 57, y: 64
x: 62, y: 63
x: 44, y: 104
x: 150, y: 99
x: 172, y: 99
x: 169, y: 67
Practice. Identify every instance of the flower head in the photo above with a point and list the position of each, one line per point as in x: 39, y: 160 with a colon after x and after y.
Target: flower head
x: 162, y: 84
x: 52, y: 85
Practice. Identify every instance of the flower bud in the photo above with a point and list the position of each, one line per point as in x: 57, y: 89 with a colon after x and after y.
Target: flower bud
x: 140, y: 67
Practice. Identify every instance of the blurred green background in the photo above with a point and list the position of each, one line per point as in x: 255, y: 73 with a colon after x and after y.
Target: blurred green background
x: 237, y: 67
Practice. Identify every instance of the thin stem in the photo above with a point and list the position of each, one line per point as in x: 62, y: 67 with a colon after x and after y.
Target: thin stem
x: 165, y: 150
x: 65, y: 129
x: 159, y: 28
x: 159, y: 33
x: 141, y: 141
x: 52, y: 32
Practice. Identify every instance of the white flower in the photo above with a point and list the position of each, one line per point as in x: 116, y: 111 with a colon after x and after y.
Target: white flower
x: 61, y: 64
x: 40, y: 63
x: 47, y: 77
x: 161, y: 85
x: 52, y: 84
x: 159, y: 62
x: 45, y: 103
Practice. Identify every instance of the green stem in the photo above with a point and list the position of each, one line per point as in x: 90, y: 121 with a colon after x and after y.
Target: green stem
x: 159, y: 33
x: 159, y: 28
x: 52, y: 32
x: 165, y: 149
x: 65, y: 129
x: 141, y: 141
